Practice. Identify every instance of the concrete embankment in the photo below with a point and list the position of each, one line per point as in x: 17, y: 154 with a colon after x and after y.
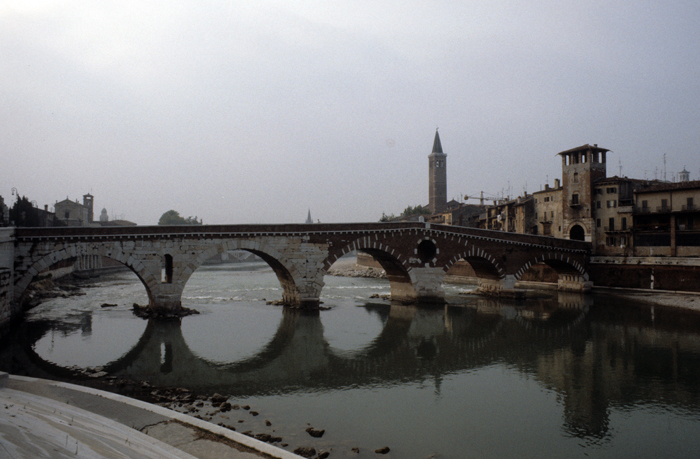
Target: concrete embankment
x: 44, y: 418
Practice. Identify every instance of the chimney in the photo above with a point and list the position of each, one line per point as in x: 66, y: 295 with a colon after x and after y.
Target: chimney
x: 557, y: 183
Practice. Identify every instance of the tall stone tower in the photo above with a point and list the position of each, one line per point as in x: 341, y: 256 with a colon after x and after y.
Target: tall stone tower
x: 437, y: 179
x: 580, y: 167
x: 88, y: 202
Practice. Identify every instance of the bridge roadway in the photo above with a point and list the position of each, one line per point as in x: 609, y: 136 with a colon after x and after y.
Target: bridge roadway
x: 415, y: 255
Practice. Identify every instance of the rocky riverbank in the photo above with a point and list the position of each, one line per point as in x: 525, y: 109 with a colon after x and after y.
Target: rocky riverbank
x: 47, y: 288
x: 348, y: 267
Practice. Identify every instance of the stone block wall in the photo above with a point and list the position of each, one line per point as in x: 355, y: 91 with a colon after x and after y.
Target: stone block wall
x: 7, y: 260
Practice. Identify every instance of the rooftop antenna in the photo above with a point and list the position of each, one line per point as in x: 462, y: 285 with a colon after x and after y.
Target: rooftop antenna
x: 664, y: 167
x: 619, y: 162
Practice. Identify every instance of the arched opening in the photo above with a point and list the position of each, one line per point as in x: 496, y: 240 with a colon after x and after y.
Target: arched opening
x: 577, y: 233
x: 222, y: 274
x: 426, y: 251
x: 58, y: 264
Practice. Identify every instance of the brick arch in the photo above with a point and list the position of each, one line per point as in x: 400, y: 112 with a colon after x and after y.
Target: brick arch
x: 392, y: 257
x: 560, y: 262
x: 393, y: 261
x: 482, y: 261
x: 75, y: 250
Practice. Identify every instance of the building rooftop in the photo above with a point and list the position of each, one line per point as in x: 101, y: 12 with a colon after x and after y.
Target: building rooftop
x: 585, y: 147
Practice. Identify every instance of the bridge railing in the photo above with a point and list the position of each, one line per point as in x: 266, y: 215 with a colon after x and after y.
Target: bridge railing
x: 199, y: 231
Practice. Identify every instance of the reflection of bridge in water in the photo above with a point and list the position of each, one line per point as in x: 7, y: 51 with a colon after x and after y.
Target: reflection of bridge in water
x: 570, y: 347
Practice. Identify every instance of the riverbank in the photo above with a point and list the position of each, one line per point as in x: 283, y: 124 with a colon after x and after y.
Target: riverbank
x: 76, y: 421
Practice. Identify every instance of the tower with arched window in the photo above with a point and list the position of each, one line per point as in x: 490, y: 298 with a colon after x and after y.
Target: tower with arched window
x: 581, y: 166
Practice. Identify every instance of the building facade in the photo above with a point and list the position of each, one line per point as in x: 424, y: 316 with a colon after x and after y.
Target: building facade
x: 72, y: 213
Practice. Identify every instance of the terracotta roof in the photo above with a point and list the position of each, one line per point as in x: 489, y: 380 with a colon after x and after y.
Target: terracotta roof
x: 668, y: 186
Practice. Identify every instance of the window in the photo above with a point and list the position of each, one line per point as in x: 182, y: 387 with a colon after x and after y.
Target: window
x: 689, y: 205
x: 597, y: 223
x: 574, y: 199
x: 645, y: 205
x: 624, y: 223
x: 611, y: 223
x: 67, y: 215
x: 664, y: 203
x: 546, y: 199
x: 575, y: 177
x: 612, y: 203
x: 552, y: 214
x: 597, y: 204
x: 611, y: 190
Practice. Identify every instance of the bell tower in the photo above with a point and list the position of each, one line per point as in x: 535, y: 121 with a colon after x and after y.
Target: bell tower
x: 437, y: 177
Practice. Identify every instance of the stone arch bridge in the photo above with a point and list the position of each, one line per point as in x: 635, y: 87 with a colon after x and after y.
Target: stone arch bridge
x: 415, y: 255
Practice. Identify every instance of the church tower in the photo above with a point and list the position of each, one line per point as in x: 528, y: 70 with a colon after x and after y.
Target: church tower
x: 437, y: 179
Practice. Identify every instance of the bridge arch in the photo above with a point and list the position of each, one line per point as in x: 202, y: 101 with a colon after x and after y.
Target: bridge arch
x: 485, y: 264
x: 396, y: 267
x: 287, y: 273
x: 73, y: 251
x: 572, y: 275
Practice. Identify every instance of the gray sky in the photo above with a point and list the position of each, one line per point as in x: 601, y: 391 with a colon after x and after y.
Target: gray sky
x: 256, y: 111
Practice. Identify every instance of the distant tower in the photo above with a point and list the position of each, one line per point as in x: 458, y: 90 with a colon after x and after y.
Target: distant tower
x: 437, y: 166
x: 87, y: 202
x: 684, y: 175
x: 580, y: 167
x: 103, y: 216
x: 309, y: 220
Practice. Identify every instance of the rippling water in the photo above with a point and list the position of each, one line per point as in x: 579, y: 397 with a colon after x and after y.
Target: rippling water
x: 574, y: 376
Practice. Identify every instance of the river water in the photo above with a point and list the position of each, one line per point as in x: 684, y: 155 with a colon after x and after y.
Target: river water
x: 566, y: 376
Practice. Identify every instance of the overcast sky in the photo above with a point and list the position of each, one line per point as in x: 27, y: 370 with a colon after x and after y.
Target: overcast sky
x: 257, y: 111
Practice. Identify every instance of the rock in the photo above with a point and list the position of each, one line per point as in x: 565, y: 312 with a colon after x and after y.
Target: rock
x: 254, y: 413
x: 305, y: 451
x: 355, y: 450
x: 268, y: 423
x: 246, y: 407
x: 316, y: 433
x: 268, y: 438
x: 108, y: 305
x: 226, y: 406
x: 382, y: 450
x: 323, y: 455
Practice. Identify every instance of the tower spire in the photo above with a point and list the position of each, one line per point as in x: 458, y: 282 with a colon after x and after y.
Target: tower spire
x: 437, y: 146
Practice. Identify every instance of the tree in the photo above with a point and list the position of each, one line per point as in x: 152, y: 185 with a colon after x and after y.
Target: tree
x: 172, y: 217
x: 417, y: 210
x: 23, y: 213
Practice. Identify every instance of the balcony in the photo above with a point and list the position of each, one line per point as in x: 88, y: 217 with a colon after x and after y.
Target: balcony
x: 663, y: 209
x: 642, y: 210
x: 689, y: 207
x: 573, y: 203
x: 625, y: 209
